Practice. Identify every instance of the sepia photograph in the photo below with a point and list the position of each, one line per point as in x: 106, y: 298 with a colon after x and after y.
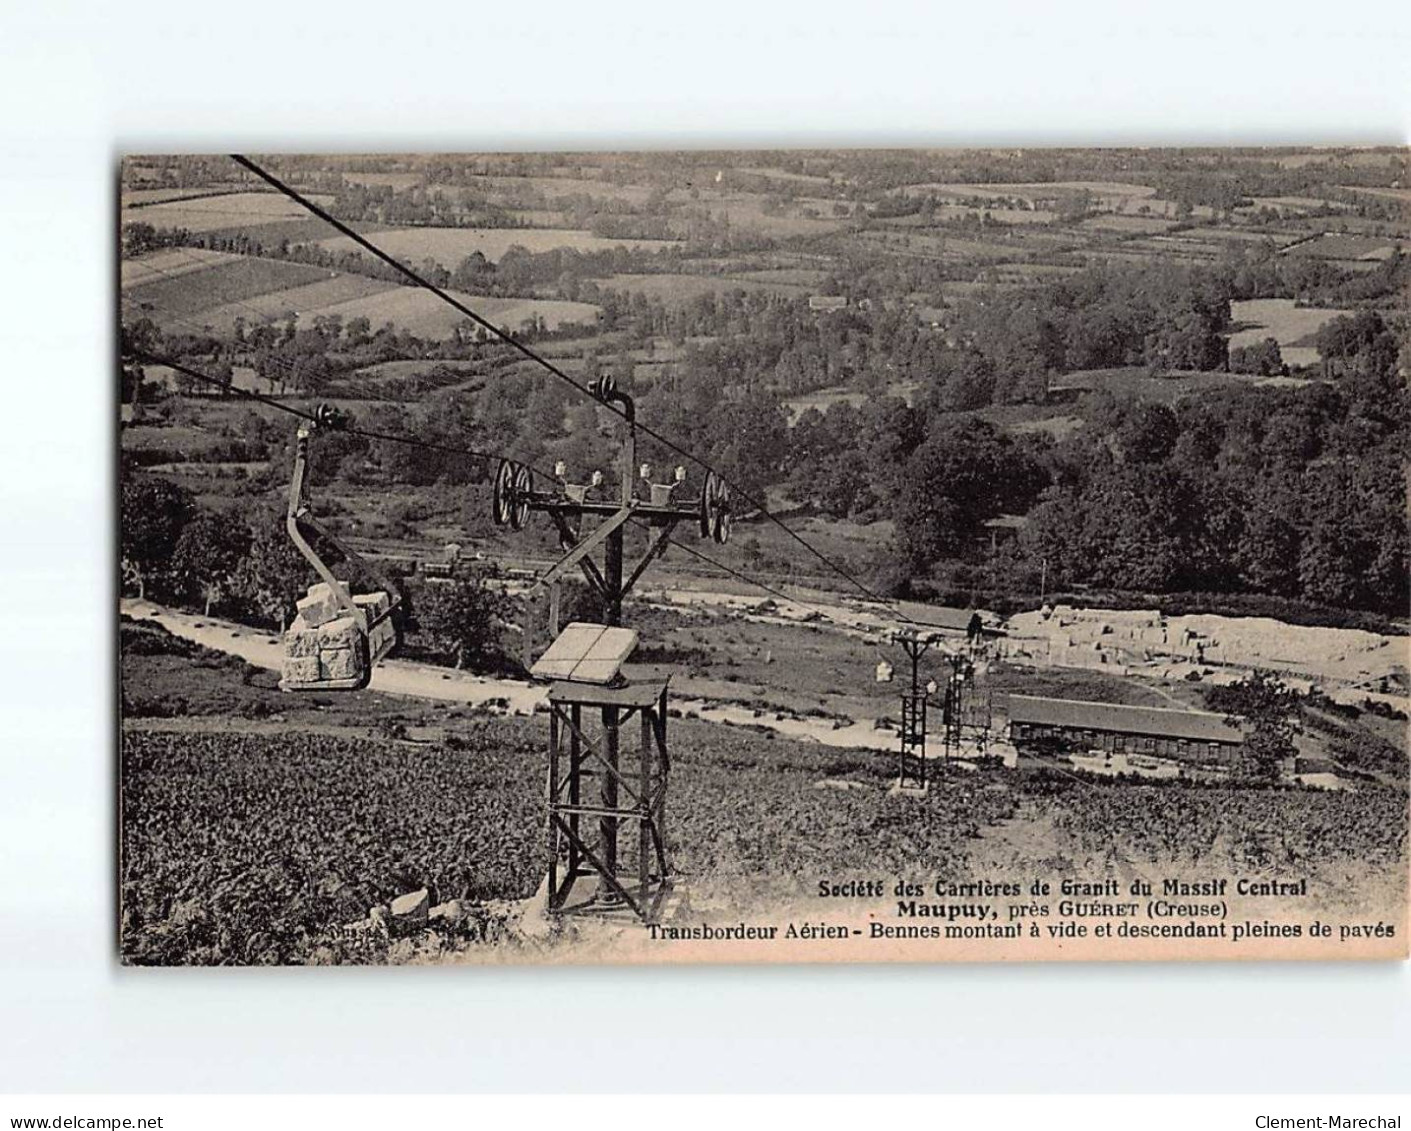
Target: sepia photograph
x: 789, y: 555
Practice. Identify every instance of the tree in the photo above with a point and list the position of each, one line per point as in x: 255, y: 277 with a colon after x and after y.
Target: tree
x: 1357, y: 343
x: 1263, y: 359
x: 462, y: 619
x: 271, y: 576
x: 1268, y: 711
x: 1144, y: 432
x: 962, y: 475
x: 969, y: 383
x: 357, y: 331
x: 206, y: 556
x: 153, y: 512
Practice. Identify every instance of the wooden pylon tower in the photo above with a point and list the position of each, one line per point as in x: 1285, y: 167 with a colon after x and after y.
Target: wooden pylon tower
x: 601, y: 872
x: 579, y: 754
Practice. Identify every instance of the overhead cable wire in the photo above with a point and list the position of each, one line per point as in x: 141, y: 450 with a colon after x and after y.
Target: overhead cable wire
x: 282, y: 406
x: 748, y: 580
x: 490, y: 327
x: 366, y: 433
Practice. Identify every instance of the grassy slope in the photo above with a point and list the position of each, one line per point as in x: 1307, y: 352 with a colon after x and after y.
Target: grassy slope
x: 249, y: 841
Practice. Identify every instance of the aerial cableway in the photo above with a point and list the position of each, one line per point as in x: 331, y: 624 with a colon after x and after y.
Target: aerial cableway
x: 341, y: 634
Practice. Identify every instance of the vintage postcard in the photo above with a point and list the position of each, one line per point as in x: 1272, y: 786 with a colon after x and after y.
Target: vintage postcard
x: 763, y: 556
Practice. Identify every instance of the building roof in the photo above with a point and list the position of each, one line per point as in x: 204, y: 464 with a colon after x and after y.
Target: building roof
x: 1159, y: 722
x: 922, y: 616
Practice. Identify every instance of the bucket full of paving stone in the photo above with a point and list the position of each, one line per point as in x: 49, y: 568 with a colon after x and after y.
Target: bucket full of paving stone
x: 324, y: 645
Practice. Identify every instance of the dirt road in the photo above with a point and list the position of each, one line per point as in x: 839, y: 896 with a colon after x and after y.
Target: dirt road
x: 395, y: 677
x: 426, y: 681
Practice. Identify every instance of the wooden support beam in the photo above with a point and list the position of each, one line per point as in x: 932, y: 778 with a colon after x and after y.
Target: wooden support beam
x: 590, y: 570
x: 653, y: 552
x: 588, y: 544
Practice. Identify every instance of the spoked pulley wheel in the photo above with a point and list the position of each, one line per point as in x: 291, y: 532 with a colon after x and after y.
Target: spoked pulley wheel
x: 503, y: 491
x: 519, y: 504
x: 715, y: 509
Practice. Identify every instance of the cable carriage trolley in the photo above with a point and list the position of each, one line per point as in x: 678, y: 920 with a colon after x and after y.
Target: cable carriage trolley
x: 337, y: 636
x: 586, y: 777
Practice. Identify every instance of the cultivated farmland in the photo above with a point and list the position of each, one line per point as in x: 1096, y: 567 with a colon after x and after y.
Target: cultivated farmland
x: 212, y: 213
x: 425, y: 315
x: 305, y: 301
x: 169, y: 263
x: 201, y: 288
x: 1283, y: 320
x: 449, y: 246
x: 229, y: 280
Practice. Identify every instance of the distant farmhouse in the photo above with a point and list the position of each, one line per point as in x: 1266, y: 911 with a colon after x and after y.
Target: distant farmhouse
x: 825, y: 303
x: 1112, y: 727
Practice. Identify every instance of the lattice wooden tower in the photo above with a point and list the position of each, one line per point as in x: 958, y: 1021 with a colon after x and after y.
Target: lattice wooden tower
x: 634, y: 872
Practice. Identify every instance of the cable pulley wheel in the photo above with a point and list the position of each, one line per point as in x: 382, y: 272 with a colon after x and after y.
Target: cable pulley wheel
x: 715, y: 509
x: 523, y: 488
x: 503, y: 491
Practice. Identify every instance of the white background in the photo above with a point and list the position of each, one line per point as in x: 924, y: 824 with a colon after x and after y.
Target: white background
x: 80, y: 81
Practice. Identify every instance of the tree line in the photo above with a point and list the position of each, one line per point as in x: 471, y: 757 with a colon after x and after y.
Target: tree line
x: 1287, y: 492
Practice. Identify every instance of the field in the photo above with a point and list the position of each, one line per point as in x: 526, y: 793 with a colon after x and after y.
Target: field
x: 1282, y: 320
x: 938, y: 244
x: 449, y: 246
x: 423, y: 314
x: 199, y: 288
x: 170, y: 263
x: 400, y: 370
x: 1120, y: 222
x: 229, y: 280
x: 1401, y: 194
x: 786, y: 276
x: 1335, y: 245
x: 215, y: 213
x: 306, y: 301
x: 752, y: 213
x: 754, y: 227
x: 253, y: 844
x: 141, y: 197
x: 824, y: 399
x: 1138, y: 382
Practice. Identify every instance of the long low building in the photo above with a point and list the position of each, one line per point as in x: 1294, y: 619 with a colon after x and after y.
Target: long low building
x: 1159, y: 731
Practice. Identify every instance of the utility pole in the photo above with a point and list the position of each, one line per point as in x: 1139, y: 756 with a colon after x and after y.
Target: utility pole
x: 911, y: 771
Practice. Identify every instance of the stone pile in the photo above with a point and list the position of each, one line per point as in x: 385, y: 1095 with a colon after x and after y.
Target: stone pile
x: 322, y: 643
